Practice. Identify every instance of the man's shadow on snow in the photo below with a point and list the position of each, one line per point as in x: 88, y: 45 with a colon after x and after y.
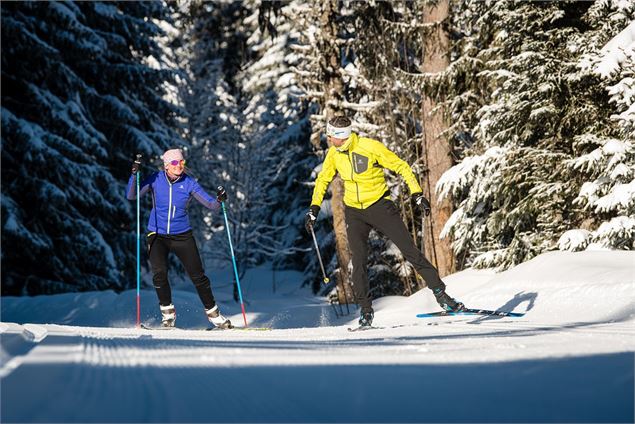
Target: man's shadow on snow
x: 511, y: 305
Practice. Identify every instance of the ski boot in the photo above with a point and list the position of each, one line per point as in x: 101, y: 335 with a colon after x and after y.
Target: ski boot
x: 217, y: 319
x: 366, y: 319
x: 446, y: 302
x: 168, y: 315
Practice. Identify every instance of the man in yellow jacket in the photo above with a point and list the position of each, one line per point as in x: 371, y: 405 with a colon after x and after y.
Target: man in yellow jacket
x: 361, y: 162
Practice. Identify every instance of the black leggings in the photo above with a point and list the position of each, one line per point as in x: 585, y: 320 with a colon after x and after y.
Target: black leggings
x: 184, y: 246
x: 385, y: 218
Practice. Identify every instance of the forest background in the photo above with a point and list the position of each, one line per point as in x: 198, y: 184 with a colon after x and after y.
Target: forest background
x: 517, y: 117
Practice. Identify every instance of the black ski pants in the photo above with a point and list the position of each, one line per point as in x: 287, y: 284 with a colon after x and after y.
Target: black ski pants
x: 384, y: 217
x: 184, y: 246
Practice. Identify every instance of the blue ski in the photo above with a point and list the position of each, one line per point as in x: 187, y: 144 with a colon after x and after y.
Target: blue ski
x: 471, y: 311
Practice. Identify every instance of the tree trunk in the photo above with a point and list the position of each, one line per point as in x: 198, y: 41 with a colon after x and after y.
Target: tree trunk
x: 334, y: 91
x: 437, y: 150
x: 345, y: 294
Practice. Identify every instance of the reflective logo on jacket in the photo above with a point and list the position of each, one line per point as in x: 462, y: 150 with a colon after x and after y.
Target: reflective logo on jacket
x: 362, y: 169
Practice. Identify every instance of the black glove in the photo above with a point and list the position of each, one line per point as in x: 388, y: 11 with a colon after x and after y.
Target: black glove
x: 136, y: 164
x: 422, y: 203
x: 311, y: 217
x: 221, y: 194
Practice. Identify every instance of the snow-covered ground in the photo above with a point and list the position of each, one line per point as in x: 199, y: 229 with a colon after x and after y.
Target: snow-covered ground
x: 79, y: 358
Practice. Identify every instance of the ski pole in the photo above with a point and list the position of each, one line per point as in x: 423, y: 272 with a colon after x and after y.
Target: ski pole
x: 423, y: 234
x: 231, y: 248
x: 317, y: 249
x: 138, y: 177
x: 337, y: 315
x: 326, y: 279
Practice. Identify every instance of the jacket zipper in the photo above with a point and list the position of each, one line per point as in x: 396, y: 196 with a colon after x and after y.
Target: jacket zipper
x: 169, y: 206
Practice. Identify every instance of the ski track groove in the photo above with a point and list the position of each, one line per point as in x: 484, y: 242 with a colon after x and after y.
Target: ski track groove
x: 123, y: 361
x: 615, y: 328
x: 125, y: 348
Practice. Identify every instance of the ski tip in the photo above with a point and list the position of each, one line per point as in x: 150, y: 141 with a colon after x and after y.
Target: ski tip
x: 429, y: 315
x: 438, y: 314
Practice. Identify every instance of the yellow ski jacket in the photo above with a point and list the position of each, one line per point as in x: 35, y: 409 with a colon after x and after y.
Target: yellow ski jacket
x: 361, y: 167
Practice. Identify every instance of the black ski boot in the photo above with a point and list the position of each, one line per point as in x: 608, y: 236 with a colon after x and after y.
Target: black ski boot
x: 366, y: 319
x: 446, y: 302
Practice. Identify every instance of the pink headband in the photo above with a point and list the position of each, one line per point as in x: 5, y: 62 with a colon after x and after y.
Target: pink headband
x: 172, y: 154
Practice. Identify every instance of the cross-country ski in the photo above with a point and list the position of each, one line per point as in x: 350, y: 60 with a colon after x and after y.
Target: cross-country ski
x: 471, y: 311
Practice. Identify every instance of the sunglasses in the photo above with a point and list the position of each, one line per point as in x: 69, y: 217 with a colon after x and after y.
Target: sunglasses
x: 176, y: 162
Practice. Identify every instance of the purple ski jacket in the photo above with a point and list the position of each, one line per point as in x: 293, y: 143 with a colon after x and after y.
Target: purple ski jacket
x: 170, y: 201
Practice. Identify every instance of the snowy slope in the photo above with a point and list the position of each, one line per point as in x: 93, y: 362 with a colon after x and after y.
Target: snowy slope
x: 78, y: 357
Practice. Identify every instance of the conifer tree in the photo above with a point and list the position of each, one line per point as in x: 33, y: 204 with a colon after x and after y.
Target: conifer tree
x: 607, y: 163
x: 249, y: 130
x: 83, y: 87
x: 528, y: 116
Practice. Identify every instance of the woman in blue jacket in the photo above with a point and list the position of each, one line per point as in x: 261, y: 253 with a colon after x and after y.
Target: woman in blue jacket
x: 170, y: 231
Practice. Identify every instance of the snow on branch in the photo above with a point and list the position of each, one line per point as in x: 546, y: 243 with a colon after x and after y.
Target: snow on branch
x: 615, y: 52
x: 618, y: 233
x: 574, y: 240
x: 302, y: 72
x: 366, y: 127
x: 301, y: 47
x: 314, y: 94
x: 364, y: 107
x: 461, y: 176
x: 411, y: 26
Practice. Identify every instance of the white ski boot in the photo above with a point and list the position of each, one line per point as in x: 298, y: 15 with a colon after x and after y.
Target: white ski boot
x: 217, y: 319
x: 168, y: 315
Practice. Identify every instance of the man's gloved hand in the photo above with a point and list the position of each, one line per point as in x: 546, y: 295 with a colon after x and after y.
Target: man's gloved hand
x: 422, y: 203
x: 311, y: 217
x: 136, y: 164
x: 221, y: 194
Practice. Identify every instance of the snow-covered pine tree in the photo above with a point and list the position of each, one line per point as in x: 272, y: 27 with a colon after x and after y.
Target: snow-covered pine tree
x: 528, y: 114
x: 80, y: 96
x: 212, y: 53
x: 276, y: 128
x: 249, y: 131
x: 607, y: 162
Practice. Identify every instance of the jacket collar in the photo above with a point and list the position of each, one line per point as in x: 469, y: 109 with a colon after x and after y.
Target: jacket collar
x: 349, y: 144
x: 165, y: 174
